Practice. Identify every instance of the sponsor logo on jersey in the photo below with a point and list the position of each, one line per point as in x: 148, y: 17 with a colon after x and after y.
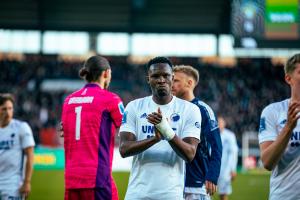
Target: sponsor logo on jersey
x: 295, y: 144
x: 6, y: 144
x: 124, y: 118
x: 175, y: 117
x: 143, y: 115
x: 262, y: 124
x: 295, y: 138
x: 148, y: 129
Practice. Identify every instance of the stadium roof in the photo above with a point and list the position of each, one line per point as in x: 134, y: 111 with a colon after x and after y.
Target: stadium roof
x: 170, y: 16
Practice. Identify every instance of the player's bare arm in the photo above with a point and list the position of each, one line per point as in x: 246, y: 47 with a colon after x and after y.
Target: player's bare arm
x: 271, y: 152
x: 233, y: 175
x: 26, y: 186
x: 185, y: 148
x: 129, y: 146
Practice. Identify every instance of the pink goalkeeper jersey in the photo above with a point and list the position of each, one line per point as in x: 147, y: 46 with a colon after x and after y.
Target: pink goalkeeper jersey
x: 90, y: 116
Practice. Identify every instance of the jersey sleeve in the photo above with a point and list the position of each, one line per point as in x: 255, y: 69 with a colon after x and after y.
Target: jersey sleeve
x: 214, y: 139
x: 129, y: 118
x: 267, y: 126
x: 192, y: 126
x: 26, y: 136
x: 64, y: 109
x: 117, y: 110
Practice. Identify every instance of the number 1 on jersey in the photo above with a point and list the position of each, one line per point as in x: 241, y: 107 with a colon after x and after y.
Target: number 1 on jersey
x: 78, y: 121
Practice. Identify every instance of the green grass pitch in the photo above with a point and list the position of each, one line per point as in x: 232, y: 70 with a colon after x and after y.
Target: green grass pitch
x: 49, y: 185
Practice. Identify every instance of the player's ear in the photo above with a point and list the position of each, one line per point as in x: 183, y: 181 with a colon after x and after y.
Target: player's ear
x: 190, y: 82
x: 148, y: 79
x: 287, y: 78
x: 106, y: 73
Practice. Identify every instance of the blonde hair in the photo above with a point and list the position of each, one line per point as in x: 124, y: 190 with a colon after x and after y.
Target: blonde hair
x: 290, y: 65
x: 188, y: 70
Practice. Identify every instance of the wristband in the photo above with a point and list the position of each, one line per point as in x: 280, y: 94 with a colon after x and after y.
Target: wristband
x: 165, y: 129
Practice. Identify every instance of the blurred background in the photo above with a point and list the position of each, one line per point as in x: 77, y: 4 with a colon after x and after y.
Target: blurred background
x: 238, y: 46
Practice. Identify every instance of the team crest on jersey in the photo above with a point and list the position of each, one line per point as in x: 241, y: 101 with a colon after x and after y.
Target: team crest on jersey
x: 262, y: 124
x: 197, y: 124
x: 175, y: 117
x: 121, y: 108
x: 124, y: 118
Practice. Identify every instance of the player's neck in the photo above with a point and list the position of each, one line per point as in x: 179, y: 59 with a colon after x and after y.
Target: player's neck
x: 189, y: 96
x: 295, y: 96
x: 3, y: 124
x: 99, y: 83
x: 162, y: 100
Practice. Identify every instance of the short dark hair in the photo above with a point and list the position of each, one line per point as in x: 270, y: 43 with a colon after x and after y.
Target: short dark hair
x: 159, y: 59
x: 6, y: 97
x: 93, y: 68
x: 290, y: 65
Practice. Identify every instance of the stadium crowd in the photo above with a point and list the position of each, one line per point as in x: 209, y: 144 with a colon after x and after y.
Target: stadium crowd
x: 239, y: 92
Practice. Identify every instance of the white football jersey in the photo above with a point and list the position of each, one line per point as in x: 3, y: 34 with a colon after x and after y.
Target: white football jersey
x: 158, y: 173
x: 15, y: 137
x: 229, y: 154
x: 285, y: 177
